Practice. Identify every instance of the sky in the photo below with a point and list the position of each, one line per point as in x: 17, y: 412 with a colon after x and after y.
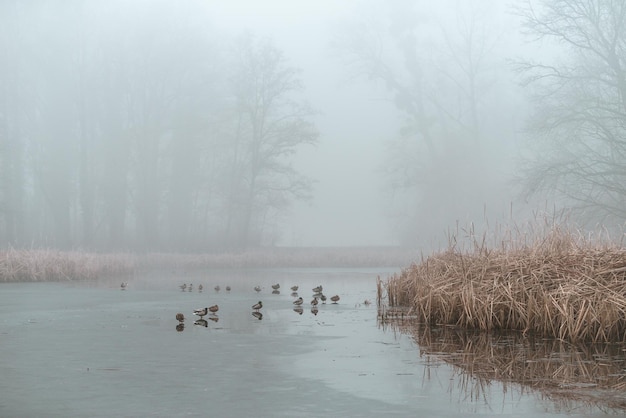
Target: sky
x: 347, y: 206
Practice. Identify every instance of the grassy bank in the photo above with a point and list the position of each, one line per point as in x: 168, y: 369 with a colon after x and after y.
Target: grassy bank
x: 52, y: 265
x: 560, y: 285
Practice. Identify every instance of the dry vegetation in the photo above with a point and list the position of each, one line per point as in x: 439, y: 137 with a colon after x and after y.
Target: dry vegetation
x: 53, y: 265
x: 561, y: 285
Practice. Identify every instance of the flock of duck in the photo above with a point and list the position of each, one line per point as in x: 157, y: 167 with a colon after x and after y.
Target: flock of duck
x: 211, y: 311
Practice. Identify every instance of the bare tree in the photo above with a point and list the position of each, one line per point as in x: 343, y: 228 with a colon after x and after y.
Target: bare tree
x: 270, y: 123
x: 579, y: 122
x: 439, y: 72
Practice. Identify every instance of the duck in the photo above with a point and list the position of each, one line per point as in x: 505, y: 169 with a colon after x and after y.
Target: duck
x: 317, y: 289
x: 214, y: 308
x: 201, y: 312
x: 298, y: 301
x: 201, y: 322
x: 257, y: 288
x: 257, y: 306
x: 124, y: 285
x: 367, y: 302
x: 258, y: 315
x: 190, y: 287
x: 323, y: 298
x: 314, y: 302
x: 294, y: 288
x: 200, y: 287
x: 228, y: 288
x: 276, y: 286
x: 183, y: 286
x: 217, y: 288
x: 335, y: 298
x: 180, y: 317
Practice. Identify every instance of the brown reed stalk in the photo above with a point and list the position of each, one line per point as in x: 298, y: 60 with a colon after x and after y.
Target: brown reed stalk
x: 563, y: 285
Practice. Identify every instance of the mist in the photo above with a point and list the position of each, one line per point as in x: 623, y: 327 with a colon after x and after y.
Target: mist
x: 217, y: 126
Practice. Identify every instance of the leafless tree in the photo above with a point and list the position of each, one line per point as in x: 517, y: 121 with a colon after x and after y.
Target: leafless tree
x: 579, y: 123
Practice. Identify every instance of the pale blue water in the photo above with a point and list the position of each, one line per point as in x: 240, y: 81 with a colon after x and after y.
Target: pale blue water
x: 93, y: 350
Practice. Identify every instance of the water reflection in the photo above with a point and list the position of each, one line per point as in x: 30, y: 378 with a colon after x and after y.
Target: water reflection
x: 566, y: 372
x: 275, y: 292
x: 298, y: 310
x: 258, y: 315
x: 201, y: 322
x: 180, y: 327
x: 214, y: 318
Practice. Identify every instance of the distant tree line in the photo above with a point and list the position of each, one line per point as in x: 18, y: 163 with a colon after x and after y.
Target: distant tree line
x: 133, y: 125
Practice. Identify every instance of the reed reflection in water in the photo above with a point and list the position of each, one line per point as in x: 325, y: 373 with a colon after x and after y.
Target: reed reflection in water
x: 566, y: 373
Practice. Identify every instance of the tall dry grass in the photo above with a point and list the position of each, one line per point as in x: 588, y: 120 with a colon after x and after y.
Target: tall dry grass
x: 52, y: 265
x: 561, y: 284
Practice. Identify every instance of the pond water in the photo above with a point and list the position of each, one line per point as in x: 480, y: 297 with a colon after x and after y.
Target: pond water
x: 90, y: 349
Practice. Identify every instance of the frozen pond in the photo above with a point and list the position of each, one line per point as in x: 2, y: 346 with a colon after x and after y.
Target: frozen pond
x: 90, y: 349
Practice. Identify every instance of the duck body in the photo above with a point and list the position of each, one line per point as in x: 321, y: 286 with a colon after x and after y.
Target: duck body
x: 201, y: 312
x: 335, y: 298
x: 298, y: 301
x: 180, y: 317
x: 276, y: 286
x: 257, y: 306
x: 214, y: 308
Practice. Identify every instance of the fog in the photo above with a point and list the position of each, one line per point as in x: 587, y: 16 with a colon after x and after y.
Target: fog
x: 211, y: 126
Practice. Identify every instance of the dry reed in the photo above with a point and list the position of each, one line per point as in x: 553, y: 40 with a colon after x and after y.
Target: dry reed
x: 561, y: 285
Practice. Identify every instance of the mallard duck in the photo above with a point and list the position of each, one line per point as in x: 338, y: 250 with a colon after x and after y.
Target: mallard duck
x: 323, y: 298
x: 217, y: 288
x: 201, y: 312
x: 257, y: 288
x: 228, y: 288
x: 183, y: 286
x: 201, y: 322
x: 298, y: 301
x: 214, y: 308
x: 314, y: 302
x: 124, y: 285
x: 335, y: 298
x: 258, y: 315
x: 180, y: 317
x: 294, y: 288
x: 200, y: 287
x: 276, y: 286
x: 317, y: 289
x: 257, y: 306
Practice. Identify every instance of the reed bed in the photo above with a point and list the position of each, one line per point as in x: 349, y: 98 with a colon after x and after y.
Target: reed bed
x: 52, y: 265
x: 561, y: 285
x: 561, y: 371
